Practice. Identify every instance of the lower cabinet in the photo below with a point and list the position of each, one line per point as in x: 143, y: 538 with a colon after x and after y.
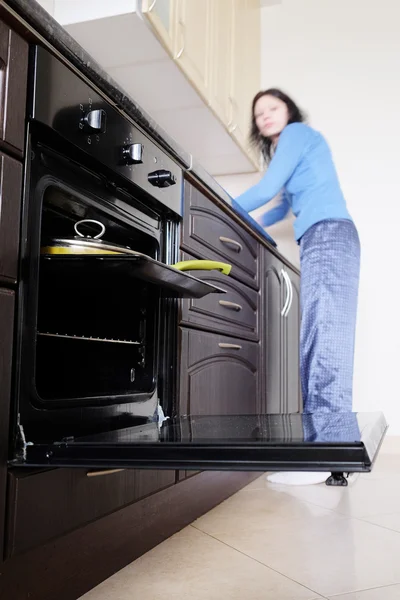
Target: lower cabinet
x: 280, y: 324
x: 46, y: 504
x: 219, y: 375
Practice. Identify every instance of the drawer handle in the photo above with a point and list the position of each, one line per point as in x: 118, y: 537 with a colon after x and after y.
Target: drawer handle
x: 103, y: 473
x: 231, y: 305
x: 230, y: 346
x: 226, y: 240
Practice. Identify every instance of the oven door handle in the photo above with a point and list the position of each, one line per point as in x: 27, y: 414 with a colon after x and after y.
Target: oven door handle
x: 203, y: 265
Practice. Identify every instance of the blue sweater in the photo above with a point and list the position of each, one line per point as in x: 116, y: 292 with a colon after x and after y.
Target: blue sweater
x: 302, y: 168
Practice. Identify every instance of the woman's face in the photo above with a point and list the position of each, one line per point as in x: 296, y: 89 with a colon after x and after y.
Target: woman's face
x: 271, y: 115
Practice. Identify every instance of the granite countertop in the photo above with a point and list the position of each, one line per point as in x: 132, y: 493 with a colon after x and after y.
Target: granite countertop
x: 32, y: 13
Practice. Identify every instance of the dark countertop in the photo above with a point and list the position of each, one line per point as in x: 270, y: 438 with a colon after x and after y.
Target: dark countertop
x: 30, y: 13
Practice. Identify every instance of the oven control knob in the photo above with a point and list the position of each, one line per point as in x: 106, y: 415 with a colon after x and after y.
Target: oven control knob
x: 161, y: 178
x: 132, y: 154
x: 95, y: 121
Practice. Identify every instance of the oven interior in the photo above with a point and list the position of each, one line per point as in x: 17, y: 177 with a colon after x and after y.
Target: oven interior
x: 97, y: 327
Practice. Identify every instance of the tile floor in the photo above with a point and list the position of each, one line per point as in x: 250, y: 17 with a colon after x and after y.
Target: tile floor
x: 269, y: 542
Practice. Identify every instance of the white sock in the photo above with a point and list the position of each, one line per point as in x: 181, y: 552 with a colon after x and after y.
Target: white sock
x: 297, y: 478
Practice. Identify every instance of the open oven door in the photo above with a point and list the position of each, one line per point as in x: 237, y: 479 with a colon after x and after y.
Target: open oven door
x: 338, y: 442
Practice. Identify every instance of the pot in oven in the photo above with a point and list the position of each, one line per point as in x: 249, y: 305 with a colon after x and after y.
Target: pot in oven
x: 85, y: 244
x: 82, y: 244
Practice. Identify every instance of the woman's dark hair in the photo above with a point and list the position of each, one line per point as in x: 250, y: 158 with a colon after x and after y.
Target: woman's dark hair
x: 264, y: 144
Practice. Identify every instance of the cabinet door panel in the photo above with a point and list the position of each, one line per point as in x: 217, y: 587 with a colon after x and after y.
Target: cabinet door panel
x: 10, y: 210
x: 193, y: 42
x: 45, y: 505
x: 163, y: 16
x: 273, y: 340
x: 293, y: 392
x: 209, y: 232
x: 13, y: 86
x: 234, y: 313
x: 219, y: 375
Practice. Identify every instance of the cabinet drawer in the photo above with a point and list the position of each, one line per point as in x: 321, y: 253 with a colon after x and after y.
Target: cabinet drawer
x: 47, y: 504
x: 13, y: 85
x: 210, y: 233
x: 10, y: 210
x: 234, y: 313
x: 219, y: 374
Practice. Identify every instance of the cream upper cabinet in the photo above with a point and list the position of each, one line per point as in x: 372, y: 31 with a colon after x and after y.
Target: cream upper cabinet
x: 245, y: 65
x: 162, y: 15
x: 192, y: 42
x: 220, y: 73
x: 217, y: 45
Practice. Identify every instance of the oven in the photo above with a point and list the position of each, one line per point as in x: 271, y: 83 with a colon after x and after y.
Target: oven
x: 97, y: 321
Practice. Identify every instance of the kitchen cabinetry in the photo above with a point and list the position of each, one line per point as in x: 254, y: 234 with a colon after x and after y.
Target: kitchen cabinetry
x: 47, y: 504
x: 220, y: 375
x: 217, y: 46
x: 192, y: 47
x: 13, y: 84
x: 280, y: 338
x: 245, y: 70
x: 209, y: 232
x: 163, y: 17
x: 220, y: 349
x: 10, y: 209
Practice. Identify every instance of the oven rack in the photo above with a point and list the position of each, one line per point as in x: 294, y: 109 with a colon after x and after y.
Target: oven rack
x: 88, y: 338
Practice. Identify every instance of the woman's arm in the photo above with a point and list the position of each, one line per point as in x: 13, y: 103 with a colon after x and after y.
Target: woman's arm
x: 276, y: 214
x: 288, y: 153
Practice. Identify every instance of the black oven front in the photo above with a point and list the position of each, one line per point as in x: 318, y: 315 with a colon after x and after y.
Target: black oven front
x: 97, y: 349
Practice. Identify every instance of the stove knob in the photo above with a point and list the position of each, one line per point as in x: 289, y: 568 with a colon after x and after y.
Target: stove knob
x: 161, y: 178
x: 132, y: 154
x: 95, y: 121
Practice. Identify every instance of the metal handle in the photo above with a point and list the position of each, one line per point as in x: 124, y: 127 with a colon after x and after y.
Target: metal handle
x: 226, y: 240
x: 291, y: 294
x: 183, y: 42
x: 231, y: 113
x: 102, y: 473
x: 231, y: 305
x: 152, y: 5
x: 232, y: 129
x: 96, y: 237
x: 230, y: 346
x: 285, y: 278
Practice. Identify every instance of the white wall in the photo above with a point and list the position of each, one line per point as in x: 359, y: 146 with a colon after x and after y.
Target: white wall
x: 340, y: 59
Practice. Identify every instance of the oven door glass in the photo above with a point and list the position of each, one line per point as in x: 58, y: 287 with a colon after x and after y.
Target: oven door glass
x: 340, y: 442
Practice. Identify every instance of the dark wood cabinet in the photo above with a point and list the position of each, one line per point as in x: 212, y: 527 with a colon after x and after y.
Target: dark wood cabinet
x: 280, y: 340
x: 10, y: 210
x: 47, y: 504
x: 235, y: 313
x: 219, y: 374
x: 272, y: 346
x: 13, y: 88
x: 292, y: 338
x: 7, y: 301
x: 208, y: 232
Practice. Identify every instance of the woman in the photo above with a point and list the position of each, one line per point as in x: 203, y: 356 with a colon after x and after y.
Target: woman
x: 301, y: 168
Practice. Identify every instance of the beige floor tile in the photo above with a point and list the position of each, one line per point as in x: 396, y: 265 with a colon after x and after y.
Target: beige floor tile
x: 256, y: 510
x: 387, y: 465
x: 328, y: 553
x: 194, y: 565
x: 365, y: 498
x: 386, y: 593
x: 391, y: 521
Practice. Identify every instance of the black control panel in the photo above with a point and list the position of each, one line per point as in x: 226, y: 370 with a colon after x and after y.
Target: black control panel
x: 67, y: 104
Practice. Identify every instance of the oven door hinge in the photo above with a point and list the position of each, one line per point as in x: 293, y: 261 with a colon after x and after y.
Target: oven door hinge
x: 20, y: 442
